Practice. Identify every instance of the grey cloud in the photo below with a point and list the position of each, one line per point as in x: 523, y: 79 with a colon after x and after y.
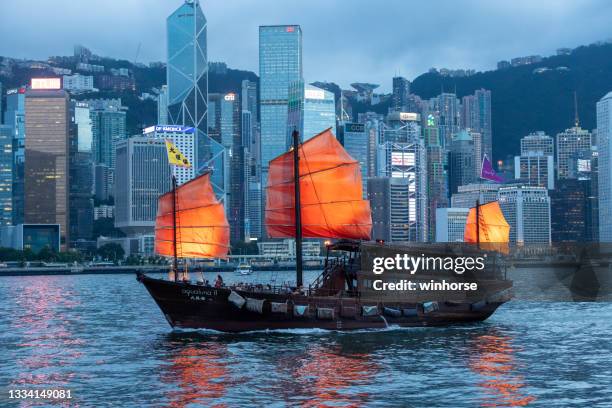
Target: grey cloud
x: 344, y: 40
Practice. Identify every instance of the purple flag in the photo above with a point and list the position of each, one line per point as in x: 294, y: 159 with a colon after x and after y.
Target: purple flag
x: 487, y: 172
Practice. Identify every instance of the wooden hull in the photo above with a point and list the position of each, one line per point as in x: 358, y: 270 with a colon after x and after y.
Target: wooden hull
x: 191, y: 306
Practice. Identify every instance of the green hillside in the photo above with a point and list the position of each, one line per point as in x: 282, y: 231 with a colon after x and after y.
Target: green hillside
x: 523, y: 101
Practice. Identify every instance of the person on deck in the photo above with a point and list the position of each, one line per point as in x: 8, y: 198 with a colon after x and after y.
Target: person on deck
x: 219, y: 281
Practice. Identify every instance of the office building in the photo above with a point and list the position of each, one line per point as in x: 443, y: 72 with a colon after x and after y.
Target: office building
x: 394, y: 210
x: 437, y: 178
x: 401, y: 92
x: 248, y: 98
x: 447, y: 111
x: 466, y: 196
x: 373, y: 123
x: 225, y: 122
x: 527, y: 211
x: 476, y: 116
x: 162, y: 105
x: 311, y: 110
x: 462, y: 161
x: 187, y: 70
x: 570, y: 211
x: 572, y: 144
x: 6, y: 175
x: 404, y: 163
x: 537, y: 143
x: 46, y: 175
x: 535, y: 169
x: 450, y: 224
x: 14, y: 117
x: 81, y: 173
x: 604, y: 182
x: 280, y: 64
x: 356, y: 144
x: 108, y: 126
x: 142, y: 175
x: 183, y: 137
x: 102, y: 189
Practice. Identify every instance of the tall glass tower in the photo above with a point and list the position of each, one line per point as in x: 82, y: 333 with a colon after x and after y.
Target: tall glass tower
x: 280, y: 64
x: 187, y: 80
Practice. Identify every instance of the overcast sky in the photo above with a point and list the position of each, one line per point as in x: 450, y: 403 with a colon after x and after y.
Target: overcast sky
x: 344, y: 40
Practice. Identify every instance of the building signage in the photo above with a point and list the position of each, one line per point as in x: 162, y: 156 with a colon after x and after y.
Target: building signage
x: 230, y: 97
x: 169, y: 129
x: 408, y: 116
x: 314, y: 94
x: 402, y: 159
x: 46, y: 83
x: 354, y: 127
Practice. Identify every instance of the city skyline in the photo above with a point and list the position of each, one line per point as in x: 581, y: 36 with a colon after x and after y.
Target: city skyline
x: 378, y: 53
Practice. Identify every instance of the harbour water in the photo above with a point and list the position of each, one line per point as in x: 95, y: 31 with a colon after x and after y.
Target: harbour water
x: 103, y: 338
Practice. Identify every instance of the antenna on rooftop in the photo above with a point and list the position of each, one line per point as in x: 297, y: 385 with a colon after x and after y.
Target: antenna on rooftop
x: 576, y: 120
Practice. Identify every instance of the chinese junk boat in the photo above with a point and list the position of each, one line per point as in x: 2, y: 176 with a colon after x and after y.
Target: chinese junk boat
x: 314, y: 191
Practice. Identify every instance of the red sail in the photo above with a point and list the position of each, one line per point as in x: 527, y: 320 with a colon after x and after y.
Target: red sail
x: 330, y: 188
x: 202, y: 230
x: 493, y: 229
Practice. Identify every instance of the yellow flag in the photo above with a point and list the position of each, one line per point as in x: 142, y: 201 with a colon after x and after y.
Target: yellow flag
x: 175, y: 157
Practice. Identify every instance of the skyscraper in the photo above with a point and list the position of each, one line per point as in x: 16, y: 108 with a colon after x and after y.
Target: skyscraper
x: 437, y: 177
x: 535, y: 170
x: 462, y: 161
x: 6, y: 175
x: 80, y: 173
x: 477, y: 117
x: 450, y: 224
x: 280, y: 64
x: 311, y: 110
x: 403, y: 157
x: 604, y: 140
x: 142, y: 175
x: 187, y: 81
x: 108, y: 126
x: 467, y: 195
x: 15, y: 118
x: 187, y: 69
x: 183, y: 137
x: 527, y: 210
x: 537, y: 143
x: 401, y: 91
x: 162, y: 106
x: 250, y: 139
x: 446, y: 107
x: 46, y: 182
x: 569, y: 208
x: 572, y: 144
x: 356, y: 144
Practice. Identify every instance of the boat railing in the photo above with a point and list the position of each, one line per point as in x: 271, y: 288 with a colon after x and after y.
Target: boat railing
x: 330, y: 265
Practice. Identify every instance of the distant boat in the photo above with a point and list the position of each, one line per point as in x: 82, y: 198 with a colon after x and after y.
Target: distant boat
x: 314, y: 191
x: 244, y: 269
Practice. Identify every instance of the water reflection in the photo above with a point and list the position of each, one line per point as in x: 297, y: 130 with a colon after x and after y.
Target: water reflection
x: 334, y: 376
x: 41, y: 320
x: 197, y: 373
x: 493, y: 358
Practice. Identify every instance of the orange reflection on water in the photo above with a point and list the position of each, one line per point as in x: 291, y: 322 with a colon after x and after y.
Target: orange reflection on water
x: 328, y: 374
x: 200, y: 374
x: 492, y: 357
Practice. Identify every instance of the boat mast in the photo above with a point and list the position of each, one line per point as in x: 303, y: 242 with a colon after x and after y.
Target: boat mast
x: 175, y: 259
x: 298, y: 210
x: 478, y: 222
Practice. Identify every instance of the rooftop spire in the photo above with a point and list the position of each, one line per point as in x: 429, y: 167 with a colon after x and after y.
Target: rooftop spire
x: 576, y: 120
